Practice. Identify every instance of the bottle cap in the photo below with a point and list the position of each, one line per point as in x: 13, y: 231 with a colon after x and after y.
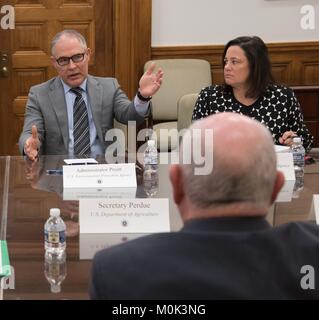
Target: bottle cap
x: 54, y: 212
x: 151, y: 143
x: 296, y: 139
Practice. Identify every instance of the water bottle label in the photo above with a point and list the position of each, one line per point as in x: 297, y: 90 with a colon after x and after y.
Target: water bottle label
x: 54, y: 237
x: 62, y: 236
x: 298, y: 157
x: 151, y: 159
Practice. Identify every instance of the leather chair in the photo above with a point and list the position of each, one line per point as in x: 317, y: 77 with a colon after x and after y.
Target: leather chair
x: 181, y: 76
x: 185, y: 107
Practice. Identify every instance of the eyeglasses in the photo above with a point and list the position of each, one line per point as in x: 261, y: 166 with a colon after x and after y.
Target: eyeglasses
x: 63, y: 61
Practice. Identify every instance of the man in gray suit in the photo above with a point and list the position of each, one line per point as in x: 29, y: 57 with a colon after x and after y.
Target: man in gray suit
x: 49, y: 124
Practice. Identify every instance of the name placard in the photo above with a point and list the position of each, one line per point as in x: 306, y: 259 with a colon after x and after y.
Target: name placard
x: 286, y: 192
x: 279, y: 148
x: 100, y: 176
x: 93, y: 193
x: 124, y: 215
x: 314, y: 211
x: 91, y: 243
x: 285, y: 164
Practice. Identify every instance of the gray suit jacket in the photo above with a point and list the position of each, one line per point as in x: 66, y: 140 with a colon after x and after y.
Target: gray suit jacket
x: 46, y: 108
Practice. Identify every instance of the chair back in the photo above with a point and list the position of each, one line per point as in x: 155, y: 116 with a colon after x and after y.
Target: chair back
x: 181, y: 76
x: 185, y: 107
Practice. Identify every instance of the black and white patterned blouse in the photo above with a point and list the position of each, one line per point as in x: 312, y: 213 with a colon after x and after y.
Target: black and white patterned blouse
x: 278, y: 109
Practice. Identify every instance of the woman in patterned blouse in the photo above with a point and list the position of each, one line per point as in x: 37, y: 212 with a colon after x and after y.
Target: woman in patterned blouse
x: 249, y: 89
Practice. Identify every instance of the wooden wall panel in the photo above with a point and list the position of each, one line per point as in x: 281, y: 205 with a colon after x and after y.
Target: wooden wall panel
x: 294, y: 64
x: 6, y: 113
x: 308, y: 97
x: 28, y: 2
x: 28, y: 78
x: 310, y: 72
x: 76, y: 2
x: 30, y: 37
x: 132, y: 28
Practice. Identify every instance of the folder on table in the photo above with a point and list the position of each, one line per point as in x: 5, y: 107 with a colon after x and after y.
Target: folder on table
x: 5, y: 270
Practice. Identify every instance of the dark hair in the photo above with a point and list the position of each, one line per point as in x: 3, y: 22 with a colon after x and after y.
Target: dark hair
x: 260, y: 75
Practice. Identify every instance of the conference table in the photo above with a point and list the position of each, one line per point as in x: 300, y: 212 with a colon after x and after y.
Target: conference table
x: 27, y: 193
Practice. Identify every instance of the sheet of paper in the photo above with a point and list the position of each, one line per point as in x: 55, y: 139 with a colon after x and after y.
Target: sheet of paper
x: 80, y: 161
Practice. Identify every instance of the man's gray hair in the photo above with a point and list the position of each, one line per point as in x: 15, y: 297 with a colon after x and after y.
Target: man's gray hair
x: 247, y: 179
x: 69, y: 33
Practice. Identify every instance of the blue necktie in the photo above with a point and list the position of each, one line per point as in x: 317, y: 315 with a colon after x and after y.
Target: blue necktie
x: 81, y: 131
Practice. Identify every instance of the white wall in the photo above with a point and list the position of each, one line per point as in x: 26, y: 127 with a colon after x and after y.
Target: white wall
x: 191, y: 22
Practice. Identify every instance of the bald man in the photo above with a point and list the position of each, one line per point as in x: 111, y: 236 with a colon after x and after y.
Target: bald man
x: 226, y: 249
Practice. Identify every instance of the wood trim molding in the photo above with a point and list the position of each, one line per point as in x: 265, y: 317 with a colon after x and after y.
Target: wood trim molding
x: 6, y: 114
x: 104, y: 44
x: 294, y: 63
x: 132, y: 34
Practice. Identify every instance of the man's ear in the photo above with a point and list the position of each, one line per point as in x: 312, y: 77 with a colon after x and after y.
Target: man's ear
x: 89, y: 52
x: 280, y: 180
x: 53, y: 61
x: 176, y: 177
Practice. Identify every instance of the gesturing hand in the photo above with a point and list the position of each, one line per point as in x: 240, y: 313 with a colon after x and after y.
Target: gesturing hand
x: 32, y: 145
x: 150, y: 81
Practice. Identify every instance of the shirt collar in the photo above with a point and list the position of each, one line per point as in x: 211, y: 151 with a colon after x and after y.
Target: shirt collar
x: 227, y: 224
x: 67, y: 88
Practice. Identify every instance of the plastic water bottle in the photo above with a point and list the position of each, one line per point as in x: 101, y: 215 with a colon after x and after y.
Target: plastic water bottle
x: 54, y: 233
x: 55, y: 270
x: 150, y: 174
x: 150, y: 154
x: 298, y: 152
x: 150, y: 182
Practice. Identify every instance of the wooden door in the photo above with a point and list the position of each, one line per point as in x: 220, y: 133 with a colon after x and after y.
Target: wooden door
x: 27, y: 48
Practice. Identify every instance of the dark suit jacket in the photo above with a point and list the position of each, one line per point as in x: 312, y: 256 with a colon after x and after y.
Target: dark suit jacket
x: 46, y: 108
x: 215, y: 258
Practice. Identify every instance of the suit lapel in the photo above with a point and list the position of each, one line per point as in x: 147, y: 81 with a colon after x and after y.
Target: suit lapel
x: 57, y: 99
x: 95, y: 95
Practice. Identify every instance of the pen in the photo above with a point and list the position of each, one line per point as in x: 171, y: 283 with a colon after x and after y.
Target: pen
x: 55, y: 171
